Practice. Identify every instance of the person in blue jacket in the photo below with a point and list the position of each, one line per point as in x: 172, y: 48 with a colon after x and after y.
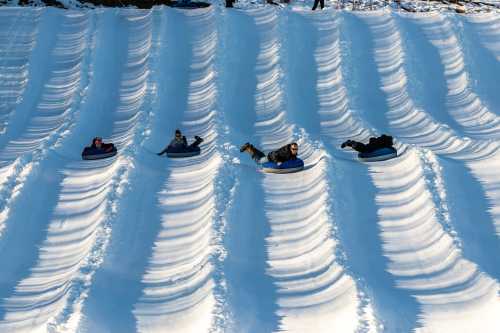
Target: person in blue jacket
x: 286, y: 153
x: 179, y: 143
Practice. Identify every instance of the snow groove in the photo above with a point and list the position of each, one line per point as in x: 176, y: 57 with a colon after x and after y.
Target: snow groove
x: 18, y: 32
x: 414, y: 126
x: 488, y: 28
x: 88, y: 195
x: 413, y: 227
x: 405, y: 120
x: 51, y: 119
x: 463, y: 104
x: 453, y: 294
x: 314, y: 292
x: 179, y: 282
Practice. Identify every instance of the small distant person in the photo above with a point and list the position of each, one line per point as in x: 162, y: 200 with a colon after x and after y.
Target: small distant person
x: 316, y: 2
x: 384, y: 141
x: 98, y: 144
x: 179, y: 143
x: 285, y: 153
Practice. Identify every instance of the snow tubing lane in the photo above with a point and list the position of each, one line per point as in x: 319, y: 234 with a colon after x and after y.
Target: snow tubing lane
x: 381, y: 154
x: 285, y: 167
x: 183, y: 153
x: 94, y: 154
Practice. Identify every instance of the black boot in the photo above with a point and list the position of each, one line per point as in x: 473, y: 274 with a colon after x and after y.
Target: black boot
x: 348, y: 143
x: 245, y: 147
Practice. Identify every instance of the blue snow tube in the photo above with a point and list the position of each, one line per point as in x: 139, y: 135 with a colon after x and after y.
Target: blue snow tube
x: 174, y: 152
x: 380, y: 154
x: 90, y: 153
x: 285, y: 167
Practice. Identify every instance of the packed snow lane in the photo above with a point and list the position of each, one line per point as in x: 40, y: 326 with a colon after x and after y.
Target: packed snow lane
x: 41, y: 119
x: 383, y: 305
x: 313, y: 290
x: 453, y: 294
x: 251, y: 295
x: 178, y: 292
x: 463, y: 104
x: 51, y: 295
x: 415, y: 126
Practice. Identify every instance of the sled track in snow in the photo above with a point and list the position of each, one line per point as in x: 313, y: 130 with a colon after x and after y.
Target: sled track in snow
x: 140, y: 243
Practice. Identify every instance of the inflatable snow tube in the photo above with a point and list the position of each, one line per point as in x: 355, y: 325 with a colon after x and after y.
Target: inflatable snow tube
x: 285, y: 167
x: 185, y: 152
x: 90, y: 153
x: 188, y: 4
x: 380, y: 154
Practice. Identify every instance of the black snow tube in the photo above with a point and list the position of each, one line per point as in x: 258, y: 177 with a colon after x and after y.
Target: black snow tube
x: 183, y: 152
x: 90, y: 153
x: 188, y: 5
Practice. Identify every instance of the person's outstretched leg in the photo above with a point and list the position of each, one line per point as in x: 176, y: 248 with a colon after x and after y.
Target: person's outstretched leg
x: 316, y: 2
x: 322, y: 4
x: 357, y: 146
x: 197, y: 142
x: 256, y: 154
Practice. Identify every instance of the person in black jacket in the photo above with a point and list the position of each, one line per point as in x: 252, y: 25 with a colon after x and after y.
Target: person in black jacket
x: 179, y: 143
x: 98, y: 144
x: 285, y: 153
x: 316, y: 2
x: 384, y: 141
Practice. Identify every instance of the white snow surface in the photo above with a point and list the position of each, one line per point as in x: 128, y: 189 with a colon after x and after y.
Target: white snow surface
x: 141, y: 243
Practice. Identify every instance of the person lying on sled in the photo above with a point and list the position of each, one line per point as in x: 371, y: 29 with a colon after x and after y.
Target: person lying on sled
x: 384, y: 141
x: 99, y: 145
x: 285, y: 153
x: 179, y: 143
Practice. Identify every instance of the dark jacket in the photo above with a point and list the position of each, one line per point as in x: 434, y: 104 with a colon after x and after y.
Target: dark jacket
x: 104, y: 146
x: 281, y: 155
x: 178, y: 143
x: 383, y: 141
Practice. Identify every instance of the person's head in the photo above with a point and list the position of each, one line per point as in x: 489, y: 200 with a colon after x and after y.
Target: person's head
x: 294, y: 148
x: 98, y: 142
x: 178, y: 134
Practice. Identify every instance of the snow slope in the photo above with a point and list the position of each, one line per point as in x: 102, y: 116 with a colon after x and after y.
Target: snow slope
x: 140, y: 243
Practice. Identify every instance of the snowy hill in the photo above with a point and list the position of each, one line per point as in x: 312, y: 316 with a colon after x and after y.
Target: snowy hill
x: 139, y: 243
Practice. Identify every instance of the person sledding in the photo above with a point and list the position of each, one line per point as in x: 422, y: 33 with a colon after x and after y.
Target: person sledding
x: 279, y: 161
x: 285, y: 153
x: 374, y: 143
x: 98, y: 149
x: 377, y: 149
x: 179, y: 146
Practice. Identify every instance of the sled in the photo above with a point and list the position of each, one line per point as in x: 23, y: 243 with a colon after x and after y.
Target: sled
x: 380, y: 154
x: 90, y: 153
x: 187, y: 152
x: 285, y: 167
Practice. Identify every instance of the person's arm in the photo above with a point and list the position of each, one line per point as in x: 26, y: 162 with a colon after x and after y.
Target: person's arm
x: 184, y: 141
x: 108, y: 147
x: 163, y: 151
